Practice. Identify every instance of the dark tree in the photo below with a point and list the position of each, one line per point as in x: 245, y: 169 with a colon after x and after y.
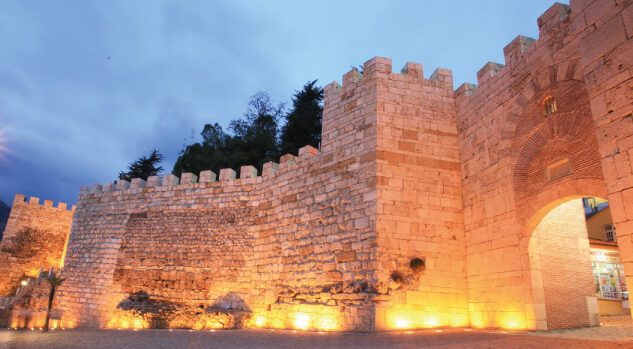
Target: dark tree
x: 54, y: 281
x: 253, y: 141
x: 144, y: 167
x: 303, y: 122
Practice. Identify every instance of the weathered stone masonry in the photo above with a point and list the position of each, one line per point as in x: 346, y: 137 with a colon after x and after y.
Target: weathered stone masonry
x: 425, y: 206
x: 34, y: 238
x: 303, y: 237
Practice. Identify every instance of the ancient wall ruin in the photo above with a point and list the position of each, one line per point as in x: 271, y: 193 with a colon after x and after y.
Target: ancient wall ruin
x: 311, y: 238
x: 424, y: 207
x: 34, y: 238
x: 520, y: 160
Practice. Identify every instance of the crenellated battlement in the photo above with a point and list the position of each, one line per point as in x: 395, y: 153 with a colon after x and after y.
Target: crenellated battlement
x: 20, y: 199
x: 515, y: 51
x: 381, y: 67
x: 227, y: 176
x: 409, y: 170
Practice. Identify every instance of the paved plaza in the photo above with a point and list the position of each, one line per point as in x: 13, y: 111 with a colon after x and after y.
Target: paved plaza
x: 616, y: 332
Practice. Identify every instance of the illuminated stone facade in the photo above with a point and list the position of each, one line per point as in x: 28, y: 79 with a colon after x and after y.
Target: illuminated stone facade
x: 34, y: 238
x: 425, y: 207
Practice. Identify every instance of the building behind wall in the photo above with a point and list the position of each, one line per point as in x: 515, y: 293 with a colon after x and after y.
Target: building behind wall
x: 422, y: 209
x: 609, y: 277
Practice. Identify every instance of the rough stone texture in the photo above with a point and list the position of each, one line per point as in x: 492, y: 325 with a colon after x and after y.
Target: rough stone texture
x: 518, y: 164
x: 34, y: 238
x: 419, y: 213
x: 462, y: 180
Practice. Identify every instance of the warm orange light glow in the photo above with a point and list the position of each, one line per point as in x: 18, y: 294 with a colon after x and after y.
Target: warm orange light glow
x: 302, y: 321
x: 431, y: 321
x: 123, y: 319
x: 513, y: 321
x: 277, y: 323
x: 327, y: 323
x: 459, y: 320
x: 401, y: 323
x: 306, y: 317
x: 260, y: 321
x: 477, y: 320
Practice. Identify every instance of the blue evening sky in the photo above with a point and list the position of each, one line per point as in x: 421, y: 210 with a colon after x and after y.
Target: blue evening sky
x: 86, y: 87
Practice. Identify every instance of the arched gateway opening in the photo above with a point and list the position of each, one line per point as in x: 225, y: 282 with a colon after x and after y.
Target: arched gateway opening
x: 555, y: 160
x: 574, y: 263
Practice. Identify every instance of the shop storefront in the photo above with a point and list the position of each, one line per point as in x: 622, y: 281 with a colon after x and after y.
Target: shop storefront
x: 613, y: 296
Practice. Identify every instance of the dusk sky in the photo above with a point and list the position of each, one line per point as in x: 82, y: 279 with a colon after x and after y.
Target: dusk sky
x: 86, y: 87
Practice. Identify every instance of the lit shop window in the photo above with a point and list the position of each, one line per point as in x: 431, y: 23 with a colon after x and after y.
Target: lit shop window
x: 608, y: 275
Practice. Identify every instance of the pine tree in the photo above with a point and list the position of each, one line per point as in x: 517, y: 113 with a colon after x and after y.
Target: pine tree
x: 144, y: 167
x: 303, y: 122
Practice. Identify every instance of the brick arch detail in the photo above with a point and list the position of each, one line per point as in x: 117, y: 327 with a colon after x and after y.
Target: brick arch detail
x: 534, y: 83
x: 535, y: 142
x: 547, y: 200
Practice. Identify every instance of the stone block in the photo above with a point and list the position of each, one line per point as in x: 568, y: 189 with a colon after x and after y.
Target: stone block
x: 270, y: 168
x: 227, y: 174
x: 307, y: 152
x: 137, y: 183
x: 153, y: 181
x: 188, y: 178
x: 170, y: 180
x: 207, y: 176
x: 248, y: 172
x: 412, y: 69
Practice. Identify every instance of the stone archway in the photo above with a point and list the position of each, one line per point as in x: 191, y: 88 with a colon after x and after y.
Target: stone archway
x: 557, y: 248
x: 553, y: 152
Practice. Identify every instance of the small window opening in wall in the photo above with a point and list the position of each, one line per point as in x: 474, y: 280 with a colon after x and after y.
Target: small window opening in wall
x: 610, y: 232
x: 557, y: 170
x: 549, y: 105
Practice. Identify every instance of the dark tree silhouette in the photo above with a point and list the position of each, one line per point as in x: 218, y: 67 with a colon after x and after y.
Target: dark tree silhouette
x: 252, y: 141
x: 144, y: 167
x: 54, y: 281
x: 303, y: 122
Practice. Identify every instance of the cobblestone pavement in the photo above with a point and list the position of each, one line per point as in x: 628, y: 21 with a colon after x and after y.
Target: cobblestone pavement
x: 279, y: 339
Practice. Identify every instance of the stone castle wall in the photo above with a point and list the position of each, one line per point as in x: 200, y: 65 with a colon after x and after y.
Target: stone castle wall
x: 301, y: 240
x: 288, y: 239
x: 519, y: 163
x: 34, y: 238
x: 463, y: 183
x: 419, y: 199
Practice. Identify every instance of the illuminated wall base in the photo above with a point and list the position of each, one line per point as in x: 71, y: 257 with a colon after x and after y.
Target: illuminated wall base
x: 295, y: 317
x: 511, y: 320
x: 401, y: 318
x: 300, y: 317
x: 20, y: 319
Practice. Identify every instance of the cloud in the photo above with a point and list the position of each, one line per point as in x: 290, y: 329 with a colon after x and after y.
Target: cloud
x: 86, y: 87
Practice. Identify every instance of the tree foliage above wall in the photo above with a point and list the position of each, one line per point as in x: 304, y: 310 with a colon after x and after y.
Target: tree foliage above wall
x: 303, y: 122
x: 143, y: 167
x: 257, y: 138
